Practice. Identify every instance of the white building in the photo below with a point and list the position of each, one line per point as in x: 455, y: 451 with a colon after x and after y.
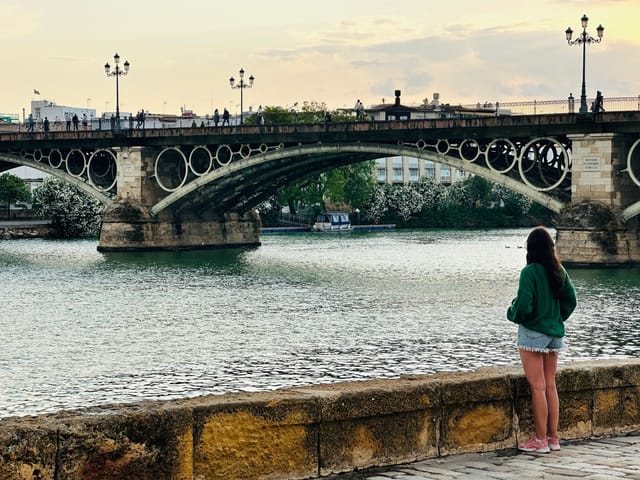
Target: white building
x: 56, y: 113
x: 406, y: 170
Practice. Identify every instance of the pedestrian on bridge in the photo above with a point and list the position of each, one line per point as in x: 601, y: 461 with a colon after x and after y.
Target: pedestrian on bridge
x: 545, y: 299
x: 30, y: 123
x: 225, y: 117
x: 67, y: 119
x: 597, y: 105
x: 216, y: 117
x: 75, y: 121
x: 260, y: 116
x: 359, y: 109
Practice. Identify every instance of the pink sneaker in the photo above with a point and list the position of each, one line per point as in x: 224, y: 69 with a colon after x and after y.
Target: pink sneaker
x: 534, y: 446
x: 554, y: 443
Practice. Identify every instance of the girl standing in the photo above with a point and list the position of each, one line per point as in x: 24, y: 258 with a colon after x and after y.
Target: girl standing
x: 545, y: 299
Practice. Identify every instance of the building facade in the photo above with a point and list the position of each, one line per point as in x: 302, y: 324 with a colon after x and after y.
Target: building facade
x: 407, y: 170
x: 56, y: 113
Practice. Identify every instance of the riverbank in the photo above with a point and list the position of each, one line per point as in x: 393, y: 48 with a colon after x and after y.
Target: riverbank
x: 355, y: 228
x: 315, y: 431
x: 18, y: 229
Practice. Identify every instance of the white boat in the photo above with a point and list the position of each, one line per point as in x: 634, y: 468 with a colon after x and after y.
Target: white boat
x: 332, y: 222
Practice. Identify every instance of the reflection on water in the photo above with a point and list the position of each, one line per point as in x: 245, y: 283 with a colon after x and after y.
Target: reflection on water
x: 82, y: 328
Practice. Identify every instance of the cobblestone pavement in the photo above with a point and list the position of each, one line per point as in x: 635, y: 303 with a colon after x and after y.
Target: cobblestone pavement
x: 596, y: 459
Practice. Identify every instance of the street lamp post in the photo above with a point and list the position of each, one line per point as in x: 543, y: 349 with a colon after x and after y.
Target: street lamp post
x: 241, y: 85
x: 583, y: 39
x: 117, y: 71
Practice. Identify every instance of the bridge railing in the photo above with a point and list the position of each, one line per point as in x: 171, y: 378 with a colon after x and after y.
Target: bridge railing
x: 295, y: 219
x: 544, y: 107
x: 195, y: 135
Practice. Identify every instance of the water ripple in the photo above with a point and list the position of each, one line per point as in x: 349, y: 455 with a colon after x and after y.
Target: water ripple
x: 82, y: 328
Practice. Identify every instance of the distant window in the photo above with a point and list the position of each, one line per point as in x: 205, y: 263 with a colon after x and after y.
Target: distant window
x: 398, y: 174
x: 429, y: 169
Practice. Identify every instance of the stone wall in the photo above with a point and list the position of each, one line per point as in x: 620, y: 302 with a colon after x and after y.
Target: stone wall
x: 598, y: 249
x: 314, y: 431
x: 147, y: 234
x: 16, y: 232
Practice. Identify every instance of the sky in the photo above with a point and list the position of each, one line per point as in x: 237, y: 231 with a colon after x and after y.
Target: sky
x: 182, y: 53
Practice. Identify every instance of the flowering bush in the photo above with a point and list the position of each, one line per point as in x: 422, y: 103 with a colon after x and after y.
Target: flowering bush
x: 72, y: 212
x: 513, y: 202
x: 432, y: 200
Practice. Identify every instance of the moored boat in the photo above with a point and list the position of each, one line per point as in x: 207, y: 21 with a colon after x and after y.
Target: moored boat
x: 332, y: 222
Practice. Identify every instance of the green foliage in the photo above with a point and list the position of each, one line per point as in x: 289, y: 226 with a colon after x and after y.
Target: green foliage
x: 481, y: 191
x: 434, y: 194
x: 309, y: 112
x: 473, y: 202
x: 73, y: 213
x: 358, y: 185
x: 13, y: 189
x: 513, y: 202
x: 352, y: 185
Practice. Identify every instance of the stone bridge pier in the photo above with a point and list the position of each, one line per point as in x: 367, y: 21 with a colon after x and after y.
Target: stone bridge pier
x: 591, y: 231
x: 129, y: 225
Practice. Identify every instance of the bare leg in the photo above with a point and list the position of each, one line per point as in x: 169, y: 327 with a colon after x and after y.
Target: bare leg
x: 533, y: 365
x: 553, y: 403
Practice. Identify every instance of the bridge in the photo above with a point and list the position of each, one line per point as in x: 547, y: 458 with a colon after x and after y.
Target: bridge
x: 182, y: 188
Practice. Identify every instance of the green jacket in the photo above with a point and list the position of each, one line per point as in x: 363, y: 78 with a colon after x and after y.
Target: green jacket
x: 536, y: 308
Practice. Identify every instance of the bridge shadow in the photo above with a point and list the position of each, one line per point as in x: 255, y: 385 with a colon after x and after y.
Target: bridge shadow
x: 229, y: 261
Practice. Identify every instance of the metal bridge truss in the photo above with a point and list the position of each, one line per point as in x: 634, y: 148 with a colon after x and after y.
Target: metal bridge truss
x: 242, y: 176
x: 238, y: 177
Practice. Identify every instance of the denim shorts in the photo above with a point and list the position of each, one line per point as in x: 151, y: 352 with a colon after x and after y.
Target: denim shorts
x: 538, y: 342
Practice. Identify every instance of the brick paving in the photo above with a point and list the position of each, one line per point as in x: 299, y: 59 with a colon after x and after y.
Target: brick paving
x: 594, y: 459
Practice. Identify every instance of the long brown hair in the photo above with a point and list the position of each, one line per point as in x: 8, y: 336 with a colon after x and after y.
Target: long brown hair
x: 541, y: 249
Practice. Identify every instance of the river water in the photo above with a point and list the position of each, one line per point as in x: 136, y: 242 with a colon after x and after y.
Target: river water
x: 82, y: 328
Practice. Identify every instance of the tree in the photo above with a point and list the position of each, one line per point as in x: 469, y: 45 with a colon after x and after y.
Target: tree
x: 359, y: 183
x: 73, y: 213
x: 352, y: 185
x: 514, y: 203
x: 13, y: 189
x: 309, y: 112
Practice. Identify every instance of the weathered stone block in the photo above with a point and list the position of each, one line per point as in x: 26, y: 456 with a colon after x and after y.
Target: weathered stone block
x: 273, y: 436
x: 145, y: 445
x: 616, y: 410
x: 376, y: 441
x: 377, y: 422
x: 349, y: 400
x: 475, y: 427
x: 477, y: 411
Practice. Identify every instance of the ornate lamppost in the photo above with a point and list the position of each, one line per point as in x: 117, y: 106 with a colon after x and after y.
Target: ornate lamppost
x: 583, y: 39
x: 117, y: 71
x: 241, y: 85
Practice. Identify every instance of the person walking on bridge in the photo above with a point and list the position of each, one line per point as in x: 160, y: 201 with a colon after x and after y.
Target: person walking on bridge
x: 545, y: 299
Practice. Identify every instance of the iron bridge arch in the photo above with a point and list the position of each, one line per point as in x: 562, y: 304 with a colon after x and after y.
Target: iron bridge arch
x: 75, y: 167
x: 538, y: 168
